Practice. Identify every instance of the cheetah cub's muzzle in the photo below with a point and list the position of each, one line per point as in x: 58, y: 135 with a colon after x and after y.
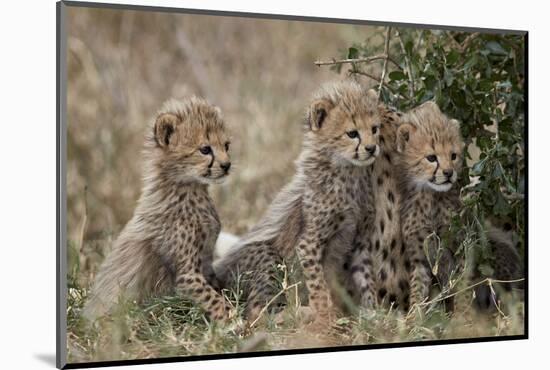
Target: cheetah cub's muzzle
x: 218, y: 165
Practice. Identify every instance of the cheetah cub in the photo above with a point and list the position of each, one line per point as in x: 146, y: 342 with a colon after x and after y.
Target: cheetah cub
x: 314, y: 218
x: 431, y: 148
x: 377, y: 271
x: 168, y: 243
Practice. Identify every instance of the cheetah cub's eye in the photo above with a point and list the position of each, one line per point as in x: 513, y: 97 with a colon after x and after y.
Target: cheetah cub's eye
x: 353, y: 134
x: 227, y: 146
x: 206, y: 150
x: 453, y: 156
x: 375, y: 129
x: 431, y: 158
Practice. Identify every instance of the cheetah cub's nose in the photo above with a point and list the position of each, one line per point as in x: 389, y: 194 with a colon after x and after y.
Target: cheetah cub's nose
x: 448, y: 172
x: 225, y: 166
x: 370, y: 148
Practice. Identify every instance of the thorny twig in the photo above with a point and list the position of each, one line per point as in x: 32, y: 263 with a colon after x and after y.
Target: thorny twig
x: 385, y: 66
x: 358, y: 60
x: 264, y: 308
x: 513, y: 196
x: 407, y: 63
x: 84, y: 223
x: 419, y: 39
x: 366, y: 74
x: 493, y: 297
x: 351, y: 61
x: 468, y: 40
x: 489, y: 281
x: 495, y: 100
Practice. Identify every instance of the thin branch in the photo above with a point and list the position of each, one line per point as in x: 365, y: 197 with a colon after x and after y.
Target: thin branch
x: 84, y: 223
x: 385, y: 66
x: 389, y: 87
x: 390, y: 58
x: 468, y: 40
x: 455, y: 43
x: 419, y: 40
x: 513, y: 196
x: 264, y: 308
x: 357, y: 60
x: 495, y: 102
x: 366, y: 74
x: 407, y: 63
x: 346, y: 61
x: 486, y: 280
x: 493, y: 297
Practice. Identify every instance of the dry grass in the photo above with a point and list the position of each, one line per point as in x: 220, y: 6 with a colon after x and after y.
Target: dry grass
x: 121, y: 66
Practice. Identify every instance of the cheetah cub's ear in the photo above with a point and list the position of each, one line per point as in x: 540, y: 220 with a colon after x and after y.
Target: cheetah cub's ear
x: 455, y: 123
x: 165, y: 126
x: 404, y: 133
x: 372, y: 94
x: 318, y: 113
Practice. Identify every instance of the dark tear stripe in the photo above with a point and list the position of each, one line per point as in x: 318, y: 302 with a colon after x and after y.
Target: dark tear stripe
x: 212, y: 161
x: 436, y: 168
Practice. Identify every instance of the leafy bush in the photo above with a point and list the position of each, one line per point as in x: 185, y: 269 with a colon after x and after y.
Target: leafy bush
x: 477, y: 78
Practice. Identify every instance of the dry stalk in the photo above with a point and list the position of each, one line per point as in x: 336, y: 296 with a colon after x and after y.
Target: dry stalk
x: 366, y: 74
x: 407, y: 64
x: 84, y: 223
x: 385, y: 66
x: 468, y: 40
x: 351, y: 61
x: 489, y: 281
x: 264, y: 308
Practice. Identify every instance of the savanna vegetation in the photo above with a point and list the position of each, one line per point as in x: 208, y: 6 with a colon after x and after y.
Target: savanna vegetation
x: 123, y: 64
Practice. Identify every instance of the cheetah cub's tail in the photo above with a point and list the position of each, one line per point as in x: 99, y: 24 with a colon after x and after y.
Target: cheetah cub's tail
x: 131, y: 271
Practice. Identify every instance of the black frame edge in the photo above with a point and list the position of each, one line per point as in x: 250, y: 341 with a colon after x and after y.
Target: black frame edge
x: 61, y: 87
x: 61, y: 252
x: 526, y: 203
x: 287, y: 352
x: 286, y: 17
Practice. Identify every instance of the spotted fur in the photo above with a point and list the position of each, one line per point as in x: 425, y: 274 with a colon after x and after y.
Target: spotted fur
x: 168, y: 242
x: 378, y: 262
x: 431, y: 148
x: 314, y: 218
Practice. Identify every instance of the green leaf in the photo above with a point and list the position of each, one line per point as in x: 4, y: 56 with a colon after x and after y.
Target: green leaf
x: 397, y: 76
x: 498, y: 171
x: 342, y: 321
x: 448, y: 77
x: 485, y: 85
x: 504, y: 84
x: 452, y: 57
x: 353, y: 53
x: 409, y: 46
x: 420, y: 94
x: 477, y: 168
x: 495, y: 48
x: 501, y: 205
x: 471, y: 62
